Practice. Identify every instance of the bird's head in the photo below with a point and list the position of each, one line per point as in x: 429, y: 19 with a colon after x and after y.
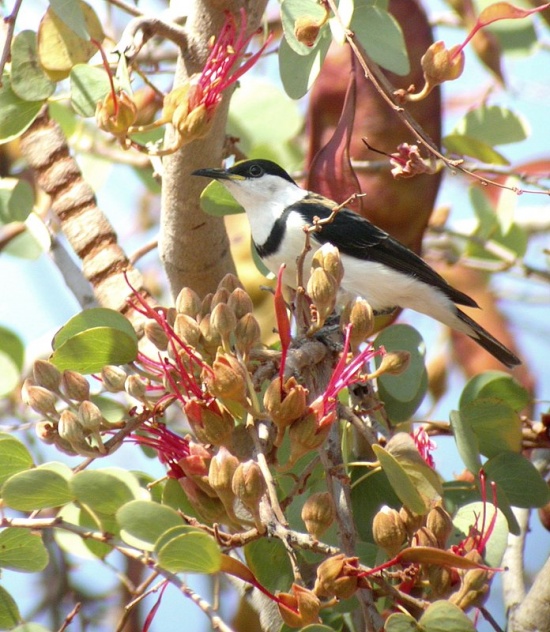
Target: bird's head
x: 258, y: 186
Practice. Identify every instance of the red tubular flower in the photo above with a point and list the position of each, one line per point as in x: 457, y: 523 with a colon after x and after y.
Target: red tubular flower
x: 424, y: 445
x: 170, y: 447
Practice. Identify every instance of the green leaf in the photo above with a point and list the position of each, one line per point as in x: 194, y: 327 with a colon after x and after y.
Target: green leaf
x: 442, y: 616
x: 291, y: 11
x: 11, y: 345
x: 496, y: 385
x: 496, y: 425
x: 217, y: 201
x: 493, y: 125
x: 381, y: 36
x: 14, y: 457
x: 187, y: 550
x: 298, y: 72
x: 11, y: 363
x: 16, y: 200
x: 468, y: 146
x: 9, y: 613
x: 89, y: 86
x: 105, y: 490
x: 268, y: 561
x: 143, y: 522
x: 397, y: 410
x: 41, y: 488
x: 519, y: 479
x: 399, y: 622
x: 174, y: 496
x: 31, y: 627
x: 402, y: 485
x: 70, y: 11
x: 403, y: 387
x: 91, y: 318
x: 28, y: 79
x: 514, y: 36
x: 16, y: 115
x: 466, y: 441
x: 72, y: 542
x: 472, y: 515
x: 97, y: 521
x: 23, y: 551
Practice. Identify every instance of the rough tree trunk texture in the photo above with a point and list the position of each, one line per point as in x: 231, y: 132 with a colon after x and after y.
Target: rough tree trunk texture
x: 193, y: 246
x: 85, y: 226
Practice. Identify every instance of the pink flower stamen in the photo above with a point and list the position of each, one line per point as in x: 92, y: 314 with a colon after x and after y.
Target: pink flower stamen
x: 424, y: 445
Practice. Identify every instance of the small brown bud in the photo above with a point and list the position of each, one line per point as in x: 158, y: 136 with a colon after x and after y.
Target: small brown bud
x: 305, y: 436
x: 75, y: 386
x: 474, y: 587
x: 206, y: 306
x: 221, y: 295
x: 328, y: 258
x: 337, y: 577
x: 70, y: 430
x: 388, y: 530
x: 299, y: 608
x: 136, y: 387
x: 424, y: 537
x: 40, y: 399
x: 361, y: 319
x: 188, y: 302
x: 187, y: 328
x: 248, y: 485
x: 46, y: 432
x: 194, y: 124
x: 210, y: 425
x: 227, y: 380
x: 240, y: 302
x: 440, y: 523
x: 156, y: 334
x: 210, y: 338
x: 223, y: 322
x: 90, y: 417
x: 393, y: 363
x: 116, y: 115
x: 247, y: 334
x: 230, y: 282
x: 285, y: 404
x: 412, y: 521
x: 318, y: 513
x: 113, y: 378
x: 440, y: 580
x: 220, y: 476
x: 47, y: 375
x: 438, y: 377
x: 322, y: 289
x: 440, y: 64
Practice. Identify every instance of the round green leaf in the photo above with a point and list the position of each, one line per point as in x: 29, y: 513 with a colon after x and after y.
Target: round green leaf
x: 23, y: 551
x: 89, y: 86
x: 16, y: 115
x: 74, y: 544
x: 381, y: 36
x: 402, y: 485
x: 28, y: 79
x: 404, y: 387
x: 9, y: 376
x: 71, y: 12
x: 217, y: 201
x: 442, y: 616
x: 495, y: 385
x: 519, y: 479
x: 186, y: 550
x: 16, y: 200
x: 471, y: 515
x: 399, y: 622
x: 293, y: 10
x: 496, y: 425
x: 463, y: 145
x: 298, y: 72
x: 466, y: 441
x: 14, y: 457
x: 493, y: 125
x: 268, y: 561
x: 143, y: 522
x: 40, y: 488
x: 91, y: 318
x: 104, y: 490
x: 9, y: 613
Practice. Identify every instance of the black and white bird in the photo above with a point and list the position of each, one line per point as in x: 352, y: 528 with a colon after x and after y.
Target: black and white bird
x: 376, y: 266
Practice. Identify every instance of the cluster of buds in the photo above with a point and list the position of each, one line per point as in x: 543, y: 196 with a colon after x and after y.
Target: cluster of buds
x: 327, y: 273
x: 71, y: 421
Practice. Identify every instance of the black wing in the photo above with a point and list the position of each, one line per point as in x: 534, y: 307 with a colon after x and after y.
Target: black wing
x: 357, y: 237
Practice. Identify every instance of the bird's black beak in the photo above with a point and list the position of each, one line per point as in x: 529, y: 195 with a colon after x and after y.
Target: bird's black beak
x: 215, y: 174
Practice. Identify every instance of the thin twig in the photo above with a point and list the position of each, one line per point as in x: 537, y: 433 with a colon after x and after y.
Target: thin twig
x: 10, y: 21
x: 129, y: 8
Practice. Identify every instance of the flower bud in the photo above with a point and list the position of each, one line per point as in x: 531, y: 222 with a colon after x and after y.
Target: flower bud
x: 328, y: 258
x: 299, y: 608
x: 46, y: 375
x: 240, y: 302
x: 247, y: 334
x: 440, y: 64
x: 285, y: 404
x: 227, y: 380
x: 223, y: 322
x: 75, y: 385
x: 424, y: 537
x: 116, y: 114
x: 221, y: 295
x: 322, y: 289
x: 361, y: 319
x: 135, y: 387
x: 230, y: 282
x: 38, y: 398
x: 210, y: 338
x: 337, y: 577
x: 187, y: 328
x: 188, y: 302
x: 46, y: 432
x: 177, y: 98
x: 156, y: 334
x: 71, y: 431
x: 206, y: 306
x: 305, y: 436
x: 439, y: 522
x: 210, y: 509
x: 440, y: 579
x: 318, y: 513
x: 474, y: 587
x: 412, y: 521
x: 248, y: 485
x: 388, y: 530
x: 393, y: 363
x: 113, y: 378
x: 220, y: 476
x: 90, y: 417
x: 210, y: 425
x: 192, y: 124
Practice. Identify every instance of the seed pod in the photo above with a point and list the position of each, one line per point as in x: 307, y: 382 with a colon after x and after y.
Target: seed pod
x: 46, y: 375
x: 388, y: 530
x: 75, y: 386
x: 318, y: 513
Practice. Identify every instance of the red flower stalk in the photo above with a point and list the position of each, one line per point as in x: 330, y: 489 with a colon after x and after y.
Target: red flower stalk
x: 424, y: 445
x: 170, y: 447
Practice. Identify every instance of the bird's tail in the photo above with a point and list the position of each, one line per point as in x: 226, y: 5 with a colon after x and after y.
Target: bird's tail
x: 490, y: 344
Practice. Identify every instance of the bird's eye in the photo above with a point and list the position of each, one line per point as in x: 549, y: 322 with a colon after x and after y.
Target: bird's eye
x: 255, y: 171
